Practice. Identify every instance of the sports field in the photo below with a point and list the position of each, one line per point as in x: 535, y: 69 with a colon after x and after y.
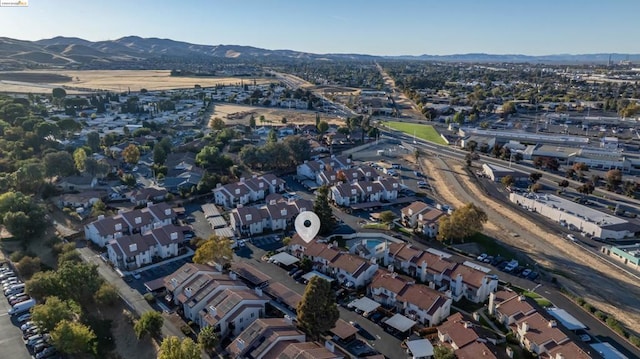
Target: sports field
x: 425, y: 132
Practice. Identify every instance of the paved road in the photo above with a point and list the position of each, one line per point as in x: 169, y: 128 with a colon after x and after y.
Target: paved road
x: 386, y: 344
x: 11, y: 343
x: 132, y: 297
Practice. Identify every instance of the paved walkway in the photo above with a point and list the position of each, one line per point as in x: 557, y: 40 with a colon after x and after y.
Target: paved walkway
x: 132, y: 297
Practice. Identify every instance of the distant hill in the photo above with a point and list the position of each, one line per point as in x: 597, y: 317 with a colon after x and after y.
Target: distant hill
x: 134, y: 50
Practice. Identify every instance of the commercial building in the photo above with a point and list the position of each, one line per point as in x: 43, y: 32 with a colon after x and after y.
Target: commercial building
x: 629, y: 255
x: 577, y: 216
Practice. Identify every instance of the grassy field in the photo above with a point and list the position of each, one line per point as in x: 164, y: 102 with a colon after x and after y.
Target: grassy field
x: 272, y: 115
x: 425, y: 132
x: 112, y: 80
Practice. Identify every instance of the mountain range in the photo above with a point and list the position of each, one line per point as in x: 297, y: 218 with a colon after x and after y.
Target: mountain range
x: 131, y: 50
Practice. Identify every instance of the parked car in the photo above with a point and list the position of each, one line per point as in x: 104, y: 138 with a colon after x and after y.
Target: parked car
x: 22, y: 307
x: 489, y: 259
x: 19, y: 299
x: 572, y: 238
x: 136, y: 275
x: 533, y: 275
x: 293, y: 270
x: 24, y: 317
x: 482, y: 257
x: 30, y: 332
x: 525, y: 273
x: 47, y: 353
x: 27, y: 325
x: 38, y: 348
x: 298, y: 274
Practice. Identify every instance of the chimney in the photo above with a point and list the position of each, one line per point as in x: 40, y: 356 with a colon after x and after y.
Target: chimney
x: 118, y: 226
x: 287, y: 319
x: 212, y: 310
x: 174, y: 236
x: 390, y: 268
x: 476, y: 316
x: 133, y: 247
x: 218, y: 185
x: 232, y: 275
x: 149, y: 204
x: 552, y: 324
x: 240, y: 344
x: 138, y: 220
x: 100, y: 217
x: 492, y: 303
x: 559, y: 356
x: 525, y: 327
x: 241, y: 179
x: 258, y: 291
x: 522, y: 298
x: 468, y: 325
x: 188, y: 292
x: 167, y: 211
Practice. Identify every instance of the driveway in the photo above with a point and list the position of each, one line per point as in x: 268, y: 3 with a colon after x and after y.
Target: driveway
x: 11, y: 343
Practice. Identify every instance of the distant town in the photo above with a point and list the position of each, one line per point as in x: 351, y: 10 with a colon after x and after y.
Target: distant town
x: 468, y: 209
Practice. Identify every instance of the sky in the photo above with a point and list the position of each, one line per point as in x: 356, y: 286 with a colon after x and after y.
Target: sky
x: 392, y: 27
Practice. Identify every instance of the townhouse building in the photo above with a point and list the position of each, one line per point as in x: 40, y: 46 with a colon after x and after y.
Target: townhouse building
x: 132, y: 251
x: 277, y: 214
x: 247, y: 190
x: 346, y: 194
x: 310, y: 169
x: 105, y: 229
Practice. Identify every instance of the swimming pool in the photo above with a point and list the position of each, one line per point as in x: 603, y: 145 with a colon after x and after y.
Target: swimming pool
x: 372, y: 243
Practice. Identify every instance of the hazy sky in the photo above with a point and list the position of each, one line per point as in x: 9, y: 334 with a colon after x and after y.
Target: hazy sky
x: 393, y: 27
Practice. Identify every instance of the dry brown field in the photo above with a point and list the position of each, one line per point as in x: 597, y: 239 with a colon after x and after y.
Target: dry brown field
x: 43, y: 81
x: 234, y: 114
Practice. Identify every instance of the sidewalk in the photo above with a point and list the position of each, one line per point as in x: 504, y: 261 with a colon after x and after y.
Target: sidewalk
x: 133, y: 298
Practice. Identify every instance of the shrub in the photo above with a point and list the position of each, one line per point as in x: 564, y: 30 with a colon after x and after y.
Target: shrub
x: 17, y: 256
x: 589, y: 307
x: 580, y: 301
x: 600, y: 315
x: 634, y: 340
x: 149, y: 297
x: 186, y: 330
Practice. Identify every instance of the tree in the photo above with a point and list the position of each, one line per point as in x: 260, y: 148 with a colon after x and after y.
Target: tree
x: 53, y: 311
x: 23, y: 217
x: 322, y: 208
x: 536, y: 187
x: 211, y: 158
x: 299, y: 149
x: 59, y: 163
x: 580, y: 167
x: 613, y: 178
x: 252, y: 122
x: 509, y: 108
x: 317, y: 311
x: 216, y: 249
x: 563, y: 184
x: 463, y: 223
x: 29, y: 177
x: 442, y: 352
x: 98, y: 208
x: 79, y: 280
x: 28, y: 266
x: 570, y: 173
x: 416, y: 155
x: 586, y: 188
x: 272, y: 137
x: 73, y: 338
x: 58, y: 93
x: 508, y: 180
x: 174, y: 348
x: 208, y: 339
x: 535, y: 176
x: 149, y: 323
x: 159, y: 154
x: 217, y: 124
x: 387, y: 217
x: 131, y: 154
x: 44, y: 284
x: 93, y: 141
x: 323, y: 126
x: 458, y: 118
x: 107, y: 295
x: 79, y: 158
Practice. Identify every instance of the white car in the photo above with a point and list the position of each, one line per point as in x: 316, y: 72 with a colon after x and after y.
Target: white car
x: 482, y: 257
x: 24, y: 317
x: 571, y: 238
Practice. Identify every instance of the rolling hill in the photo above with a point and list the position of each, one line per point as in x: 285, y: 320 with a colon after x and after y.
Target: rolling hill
x: 133, y: 50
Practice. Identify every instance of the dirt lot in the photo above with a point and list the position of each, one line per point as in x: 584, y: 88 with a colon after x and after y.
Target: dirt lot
x: 112, y: 80
x: 127, y: 346
x: 583, y: 271
x: 299, y: 117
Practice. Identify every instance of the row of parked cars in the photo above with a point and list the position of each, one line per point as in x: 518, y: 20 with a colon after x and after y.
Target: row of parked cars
x: 37, y: 342
x: 508, y: 266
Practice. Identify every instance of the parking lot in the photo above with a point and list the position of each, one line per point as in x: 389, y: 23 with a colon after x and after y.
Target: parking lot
x: 11, y: 343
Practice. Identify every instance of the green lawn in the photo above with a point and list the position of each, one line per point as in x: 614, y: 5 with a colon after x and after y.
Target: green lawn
x: 542, y: 301
x: 381, y: 226
x: 488, y: 244
x: 425, y: 132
